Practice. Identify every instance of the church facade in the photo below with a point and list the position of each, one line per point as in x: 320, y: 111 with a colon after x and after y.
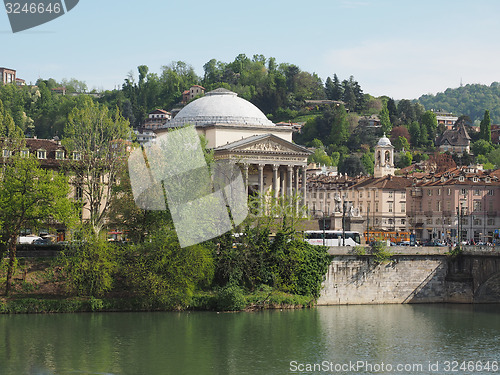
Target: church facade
x: 238, y: 131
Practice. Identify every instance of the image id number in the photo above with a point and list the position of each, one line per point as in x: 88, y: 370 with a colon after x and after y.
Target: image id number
x: 32, y: 8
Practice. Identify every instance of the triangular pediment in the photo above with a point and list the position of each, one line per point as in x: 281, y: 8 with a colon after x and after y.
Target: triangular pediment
x: 267, y: 143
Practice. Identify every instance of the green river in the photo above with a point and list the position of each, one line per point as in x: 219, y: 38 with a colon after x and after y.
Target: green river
x: 385, y: 339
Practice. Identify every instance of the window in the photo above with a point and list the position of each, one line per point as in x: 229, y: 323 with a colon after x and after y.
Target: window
x: 438, y: 206
x: 391, y: 194
x: 25, y: 153
x: 403, y: 195
x: 59, y: 154
x: 461, y: 179
x: 429, y: 192
x: 6, y: 153
x: 429, y: 221
x: 491, y: 192
x: 478, y: 205
x: 448, y: 192
x: 491, y: 221
x: 368, y: 193
x: 77, y: 155
x: 376, y: 206
x: 463, y: 191
x: 403, y: 221
x: 476, y: 192
x: 361, y: 208
x: 314, y: 195
x: 361, y: 194
x: 477, y: 222
x: 439, y: 191
x: 41, y: 154
x: 390, y: 207
x: 475, y: 179
x: 320, y: 195
x: 78, y: 193
x: 403, y: 207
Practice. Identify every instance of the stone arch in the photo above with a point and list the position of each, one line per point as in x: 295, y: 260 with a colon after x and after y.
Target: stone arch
x: 387, y: 158
x: 489, y: 291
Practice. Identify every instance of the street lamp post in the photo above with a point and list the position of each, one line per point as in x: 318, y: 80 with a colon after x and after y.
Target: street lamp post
x: 460, y: 227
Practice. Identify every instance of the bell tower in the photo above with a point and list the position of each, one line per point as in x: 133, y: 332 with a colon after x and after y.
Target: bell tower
x: 384, y: 158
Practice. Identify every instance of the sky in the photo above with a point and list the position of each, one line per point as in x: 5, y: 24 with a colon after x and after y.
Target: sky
x: 399, y: 48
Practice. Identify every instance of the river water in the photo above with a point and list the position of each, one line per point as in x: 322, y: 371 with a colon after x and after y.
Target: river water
x: 396, y: 339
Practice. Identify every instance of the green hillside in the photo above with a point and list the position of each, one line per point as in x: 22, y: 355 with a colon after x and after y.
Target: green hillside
x: 471, y: 100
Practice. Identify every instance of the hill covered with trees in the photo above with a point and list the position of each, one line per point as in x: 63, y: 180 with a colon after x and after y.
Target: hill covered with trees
x: 282, y: 91
x: 469, y: 100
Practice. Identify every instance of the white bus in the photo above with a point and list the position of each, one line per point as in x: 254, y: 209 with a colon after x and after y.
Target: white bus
x: 332, y: 237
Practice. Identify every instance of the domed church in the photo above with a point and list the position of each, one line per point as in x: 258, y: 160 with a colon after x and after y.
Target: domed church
x: 238, y: 131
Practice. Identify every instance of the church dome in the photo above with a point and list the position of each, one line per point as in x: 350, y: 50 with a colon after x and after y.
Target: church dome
x: 220, y: 106
x: 384, y: 141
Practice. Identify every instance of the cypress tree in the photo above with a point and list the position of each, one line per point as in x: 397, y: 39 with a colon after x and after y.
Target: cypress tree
x: 485, y: 127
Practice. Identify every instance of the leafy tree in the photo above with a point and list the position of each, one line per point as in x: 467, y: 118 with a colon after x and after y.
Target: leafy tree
x: 407, y: 112
x: 429, y: 120
x: 393, y: 110
x: 7, y: 126
x: 401, y: 143
x: 400, y: 131
x: 333, y: 88
x: 405, y: 159
x: 126, y: 215
x: 494, y: 157
x: 485, y: 127
x: 100, y: 138
x: 385, y: 120
x: 163, y: 273
x: 335, y: 156
x: 320, y: 157
x: 30, y: 195
x: 368, y: 161
x: 415, y: 133
x: 481, y: 147
x: 91, y: 266
x: 352, y: 166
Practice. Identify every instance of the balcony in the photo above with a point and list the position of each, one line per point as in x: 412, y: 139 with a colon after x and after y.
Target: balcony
x: 416, y: 192
x: 428, y: 213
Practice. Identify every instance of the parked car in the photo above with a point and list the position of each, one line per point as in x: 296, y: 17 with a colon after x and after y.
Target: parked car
x: 41, y: 241
x: 433, y: 243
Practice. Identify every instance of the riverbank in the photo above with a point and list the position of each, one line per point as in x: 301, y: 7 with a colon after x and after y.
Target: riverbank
x: 39, y: 287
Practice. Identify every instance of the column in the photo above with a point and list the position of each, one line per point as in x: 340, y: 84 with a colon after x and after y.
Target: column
x: 304, y: 185
x: 261, y: 179
x: 245, y: 175
x: 275, y: 180
x: 282, y: 182
x: 296, y: 185
x: 289, y: 180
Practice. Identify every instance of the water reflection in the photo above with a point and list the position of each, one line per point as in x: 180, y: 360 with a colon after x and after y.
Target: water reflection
x: 246, y: 343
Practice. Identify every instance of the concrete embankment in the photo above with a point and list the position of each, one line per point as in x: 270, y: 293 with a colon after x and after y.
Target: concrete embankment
x: 413, y: 275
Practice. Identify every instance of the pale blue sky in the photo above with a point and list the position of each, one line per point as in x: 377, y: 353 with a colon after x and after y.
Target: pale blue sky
x: 392, y: 47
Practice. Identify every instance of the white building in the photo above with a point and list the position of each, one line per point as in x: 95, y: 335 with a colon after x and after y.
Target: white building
x: 237, y: 130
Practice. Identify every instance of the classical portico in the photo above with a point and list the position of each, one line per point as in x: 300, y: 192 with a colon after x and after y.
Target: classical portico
x: 238, y: 131
x: 269, y: 163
